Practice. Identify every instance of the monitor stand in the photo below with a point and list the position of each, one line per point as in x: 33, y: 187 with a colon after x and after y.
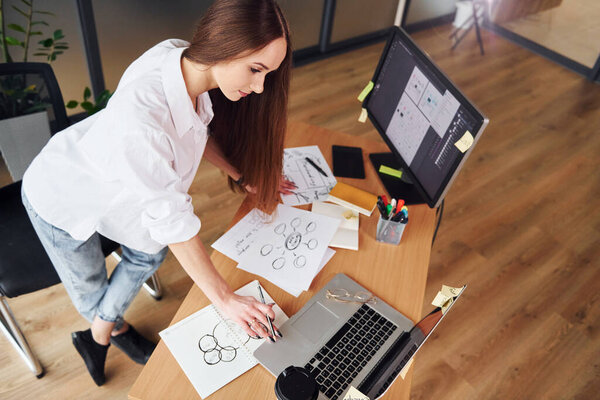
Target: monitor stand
x: 397, y: 188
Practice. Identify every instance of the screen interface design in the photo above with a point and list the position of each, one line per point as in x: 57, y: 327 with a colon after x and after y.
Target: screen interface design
x: 426, y: 121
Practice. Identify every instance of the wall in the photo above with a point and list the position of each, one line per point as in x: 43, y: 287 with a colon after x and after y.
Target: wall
x: 422, y: 10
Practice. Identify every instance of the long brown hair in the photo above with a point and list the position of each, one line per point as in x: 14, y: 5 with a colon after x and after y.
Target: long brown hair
x: 251, y: 131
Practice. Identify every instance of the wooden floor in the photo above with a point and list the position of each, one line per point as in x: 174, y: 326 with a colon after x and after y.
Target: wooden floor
x: 521, y: 228
x: 571, y: 29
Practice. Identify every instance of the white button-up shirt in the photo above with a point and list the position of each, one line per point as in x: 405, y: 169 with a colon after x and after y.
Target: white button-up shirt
x: 125, y: 172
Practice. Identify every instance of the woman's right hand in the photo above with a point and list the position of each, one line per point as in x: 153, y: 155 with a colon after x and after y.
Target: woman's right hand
x: 249, y: 313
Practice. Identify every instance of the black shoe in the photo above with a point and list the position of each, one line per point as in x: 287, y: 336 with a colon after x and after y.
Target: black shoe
x: 93, y: 354
x: 137, y: 347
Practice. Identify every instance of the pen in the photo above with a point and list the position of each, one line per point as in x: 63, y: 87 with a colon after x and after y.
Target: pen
x: 262, y: 299
x: 311, y: 162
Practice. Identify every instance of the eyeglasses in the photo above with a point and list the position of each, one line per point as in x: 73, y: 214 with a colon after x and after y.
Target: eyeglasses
x: 344, y: 296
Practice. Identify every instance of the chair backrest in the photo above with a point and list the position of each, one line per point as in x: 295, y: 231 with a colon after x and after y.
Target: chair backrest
x: 21, y: 75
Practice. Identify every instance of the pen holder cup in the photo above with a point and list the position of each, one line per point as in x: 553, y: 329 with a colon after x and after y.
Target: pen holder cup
x: 389, y: 231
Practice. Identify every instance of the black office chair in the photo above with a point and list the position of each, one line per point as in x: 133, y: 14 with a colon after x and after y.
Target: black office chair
x: 24, y: 264
x: 16, y: 75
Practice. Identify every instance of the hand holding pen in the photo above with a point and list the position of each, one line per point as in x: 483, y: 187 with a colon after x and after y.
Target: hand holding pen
x: 273, y: 330
x: 247, y: 312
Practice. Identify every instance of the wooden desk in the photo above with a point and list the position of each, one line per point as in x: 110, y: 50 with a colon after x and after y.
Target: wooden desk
x: 396, y: 274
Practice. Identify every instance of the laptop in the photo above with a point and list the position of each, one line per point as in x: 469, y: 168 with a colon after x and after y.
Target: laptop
x: 345, y: 344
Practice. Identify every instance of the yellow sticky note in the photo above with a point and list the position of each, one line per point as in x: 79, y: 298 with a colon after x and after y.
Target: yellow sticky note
x: 366, y: 91
x: 363, y: 116
x: 354, y: 394
x: 440, y: 299
x: 390, y: 171
x: 406, y: 368
x: 450, y: 291
x: 447, y: 305
x: 464, y: 142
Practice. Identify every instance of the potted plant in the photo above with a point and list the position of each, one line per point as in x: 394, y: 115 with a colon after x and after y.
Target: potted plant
x: 24, y: 126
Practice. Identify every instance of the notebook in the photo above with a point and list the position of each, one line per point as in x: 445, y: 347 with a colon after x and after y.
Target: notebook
x: 346, y: 237
x: 353, y: 198
x: 211, y: 350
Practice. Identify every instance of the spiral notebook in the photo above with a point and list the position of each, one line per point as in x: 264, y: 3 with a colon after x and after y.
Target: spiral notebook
x: 211, y: 350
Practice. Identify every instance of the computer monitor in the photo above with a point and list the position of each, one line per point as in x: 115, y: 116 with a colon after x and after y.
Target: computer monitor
x: 421, y: 115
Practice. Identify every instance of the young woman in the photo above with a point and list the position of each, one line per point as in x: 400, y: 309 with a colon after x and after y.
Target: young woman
x: 125, y: 171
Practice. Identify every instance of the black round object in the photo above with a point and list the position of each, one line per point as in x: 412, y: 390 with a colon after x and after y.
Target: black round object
x: 296, y: 383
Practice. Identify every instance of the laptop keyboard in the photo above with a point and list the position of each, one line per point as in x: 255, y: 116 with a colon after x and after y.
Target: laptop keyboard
x: 343, y: 357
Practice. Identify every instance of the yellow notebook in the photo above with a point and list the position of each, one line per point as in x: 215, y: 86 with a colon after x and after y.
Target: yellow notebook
x: 353, y: 198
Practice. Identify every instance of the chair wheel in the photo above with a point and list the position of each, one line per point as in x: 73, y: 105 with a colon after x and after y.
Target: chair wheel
x: 41, y: 374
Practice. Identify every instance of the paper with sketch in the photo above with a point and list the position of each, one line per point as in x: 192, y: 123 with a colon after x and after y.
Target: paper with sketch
x: 211, y: 350
x: 295, y: 291
x: 288, y: 251
x: 236, y: 241
x: 312, y: 185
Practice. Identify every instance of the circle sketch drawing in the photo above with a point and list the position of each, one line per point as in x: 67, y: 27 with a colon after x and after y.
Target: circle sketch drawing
x: 220, y: 345
x: 292, y: 246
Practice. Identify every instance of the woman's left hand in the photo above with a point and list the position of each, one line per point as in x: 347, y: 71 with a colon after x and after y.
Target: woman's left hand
x: 286, y: 186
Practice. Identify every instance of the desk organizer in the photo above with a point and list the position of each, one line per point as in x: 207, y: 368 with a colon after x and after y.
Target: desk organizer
x: 389, y: 231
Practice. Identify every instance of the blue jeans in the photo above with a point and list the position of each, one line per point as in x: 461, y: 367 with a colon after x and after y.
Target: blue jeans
x: 82, y: 269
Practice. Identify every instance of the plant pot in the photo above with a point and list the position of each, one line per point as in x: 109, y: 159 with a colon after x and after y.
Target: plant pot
x: 21, y: 139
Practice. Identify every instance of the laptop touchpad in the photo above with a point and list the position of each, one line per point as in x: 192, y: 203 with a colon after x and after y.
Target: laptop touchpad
x: 315, y: 322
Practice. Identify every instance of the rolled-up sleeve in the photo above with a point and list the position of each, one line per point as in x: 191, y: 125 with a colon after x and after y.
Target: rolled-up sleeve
x: 143, y: 162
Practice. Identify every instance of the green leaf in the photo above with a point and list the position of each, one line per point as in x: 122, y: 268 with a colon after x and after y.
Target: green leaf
x: 39, y: 23
x: 58, y: 52
x: 12, y: 41
x: 44, y: 12
x: 16, y: 27
x: 23, y: 13
x: 27, y: 2
x: 58, y: 34
x: 72, y: 104
x: 46, y: 42
x: 61, y: 47
x: 87, y: 106
x: 35, y: 33
x: 103, y: 98
x: 86, y: 93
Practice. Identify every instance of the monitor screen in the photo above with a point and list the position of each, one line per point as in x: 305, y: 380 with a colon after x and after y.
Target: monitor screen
x: 421, y: 115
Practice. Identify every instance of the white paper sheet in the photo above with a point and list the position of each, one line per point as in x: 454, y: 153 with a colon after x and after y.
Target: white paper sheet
x: 211, y: 351
x: 296, y: 291
x: 312, y: 185
x: 289, y: 250
x: 236, y: 241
